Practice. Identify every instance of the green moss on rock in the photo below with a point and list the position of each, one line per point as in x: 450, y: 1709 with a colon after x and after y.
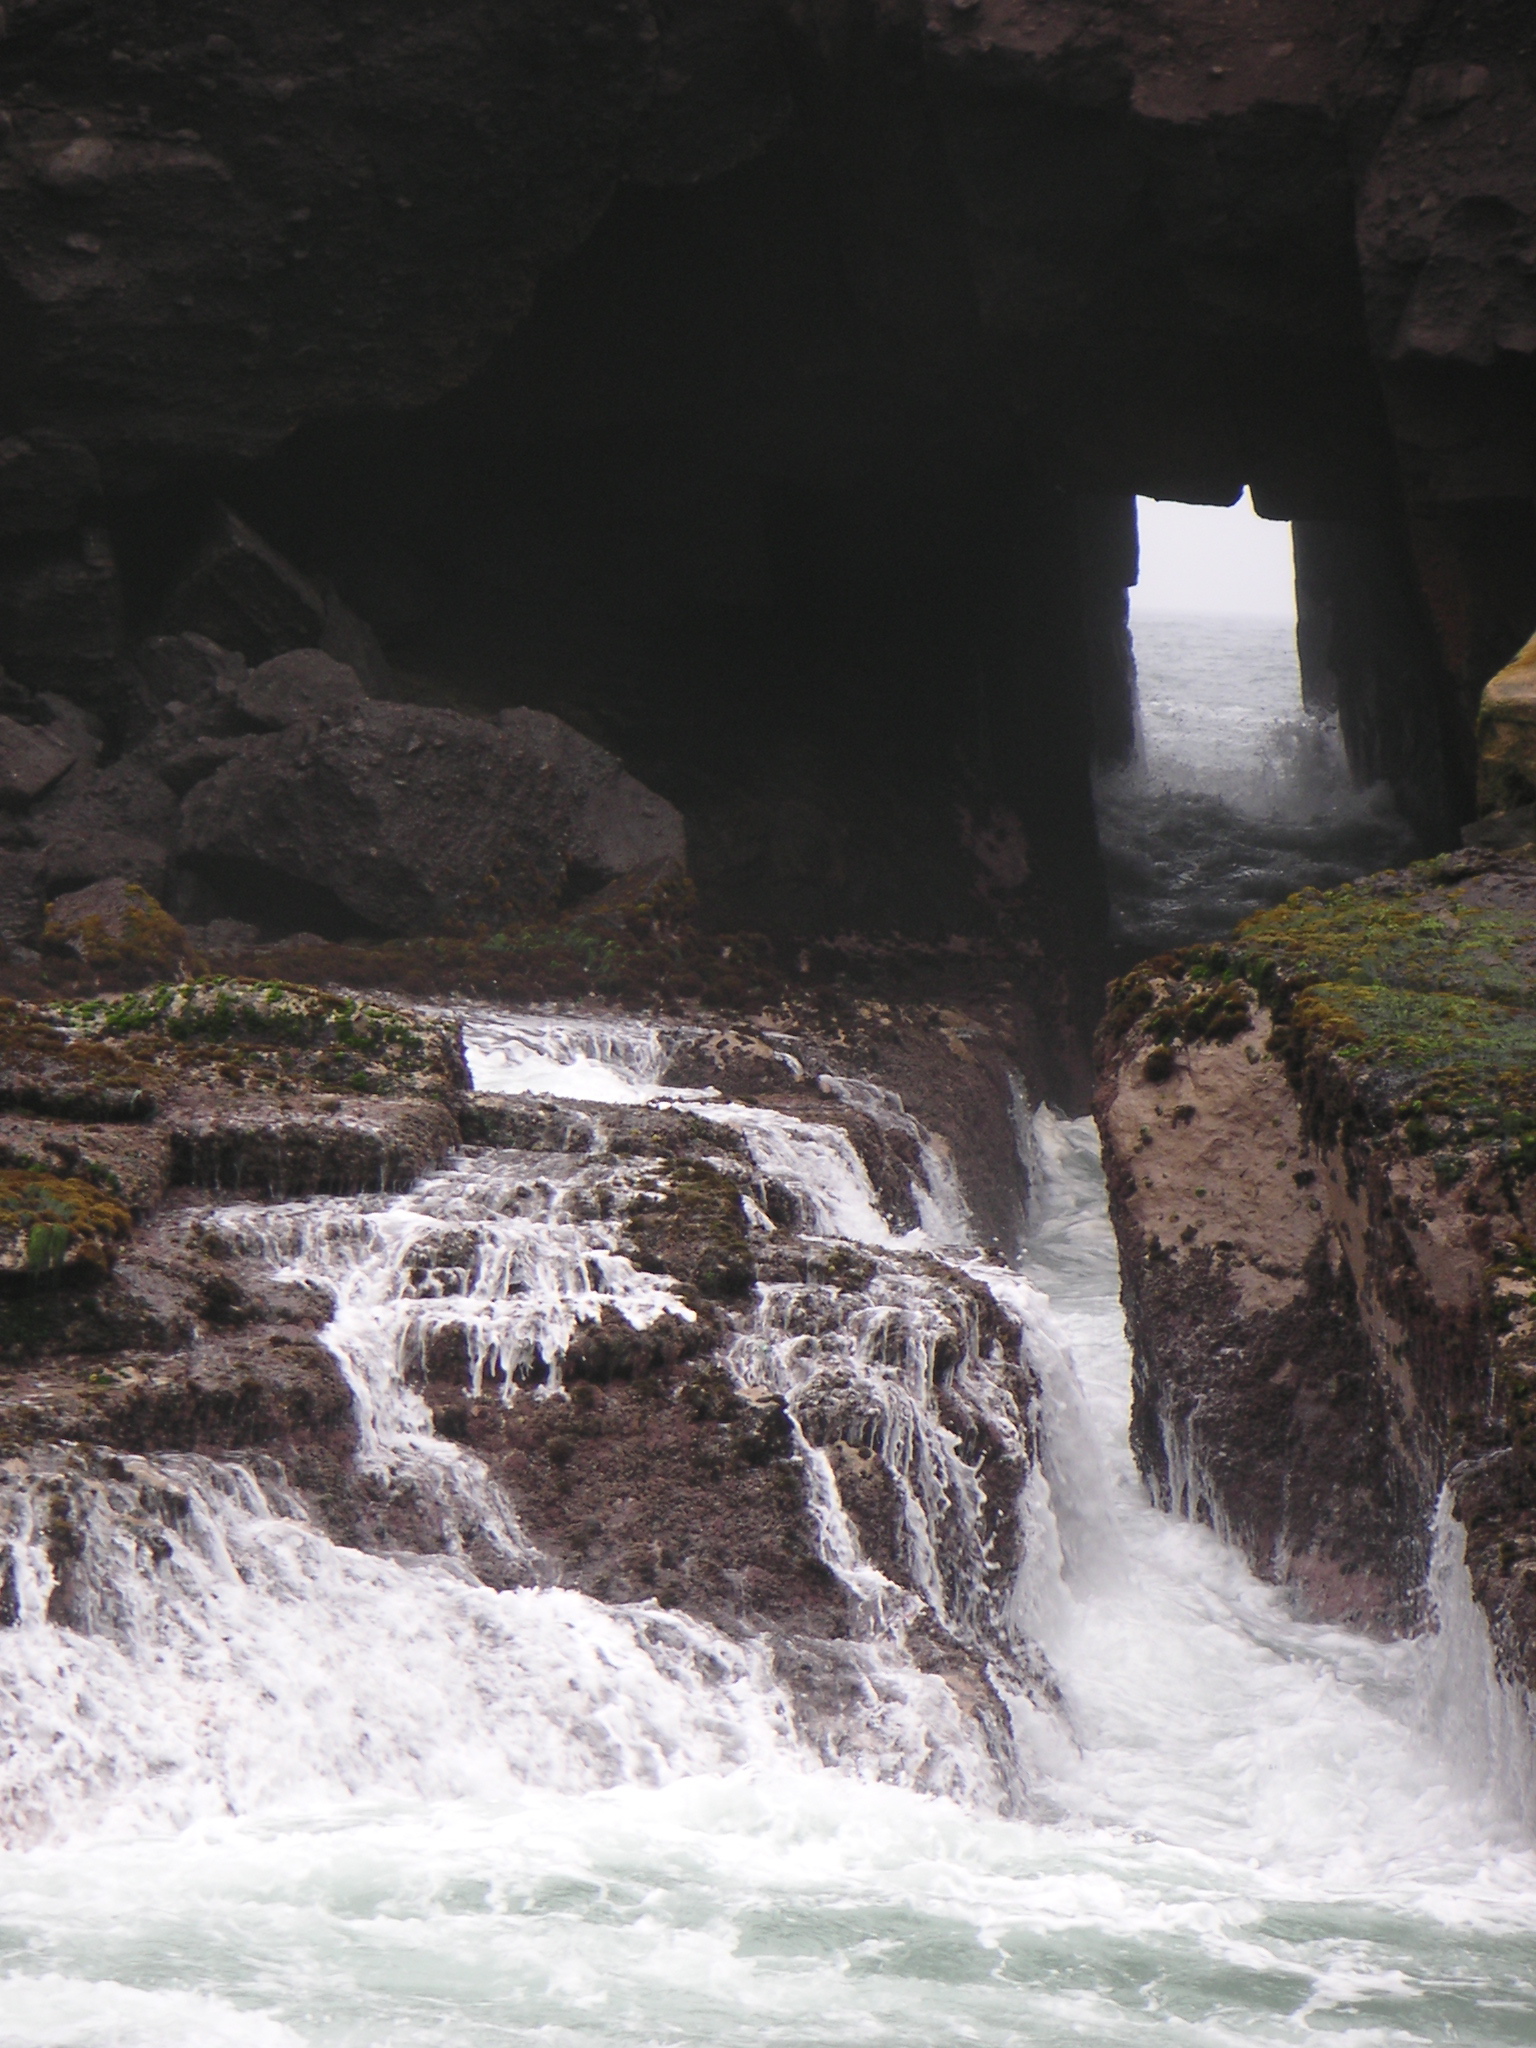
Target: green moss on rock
x: 49, y: 1225
x: 1417, y: 986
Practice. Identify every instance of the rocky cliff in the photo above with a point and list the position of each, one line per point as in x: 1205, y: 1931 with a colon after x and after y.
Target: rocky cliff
x: 1321, y: 1141
x: 761, y: 386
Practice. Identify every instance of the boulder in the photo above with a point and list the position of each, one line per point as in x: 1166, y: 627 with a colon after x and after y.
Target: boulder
x: 32, y: 760
x: 400, y: 819
x: 115, y: 924
x: 617, y: 824
x: 185, y: 669
x: 303, y: 684
x: 1506, y: 736
x: 243, y: 595
x: 122, y: 822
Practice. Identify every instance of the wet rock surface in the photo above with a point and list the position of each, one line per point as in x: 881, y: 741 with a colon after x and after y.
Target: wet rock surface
x: 1319, y: 1142
x: 681, y: 1418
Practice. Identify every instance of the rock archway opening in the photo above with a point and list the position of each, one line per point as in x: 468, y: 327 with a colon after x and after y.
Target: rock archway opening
x: 1235, y: 786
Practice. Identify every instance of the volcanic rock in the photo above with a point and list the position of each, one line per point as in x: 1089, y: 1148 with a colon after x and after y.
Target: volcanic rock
x: 241, y: 594
x: 399, y: 819
x: 122, y: 822
x: 617, y: 824
x: 290, y: 688
x: 31, y: 761
x: 115, y: 923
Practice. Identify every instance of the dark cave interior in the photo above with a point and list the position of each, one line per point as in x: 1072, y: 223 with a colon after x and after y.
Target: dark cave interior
x: 805, y: 483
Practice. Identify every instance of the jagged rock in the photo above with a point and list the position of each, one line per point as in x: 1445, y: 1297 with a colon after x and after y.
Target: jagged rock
x: 31, y: 762
x: 304, y: 684
x: 242, y: 595
x: 44, y: 480
x: 185, y: 669
x: 617, y: 824
x: 120, y: 823
x: 400, y: 819
x: 115, y: 923
x: 61, y: 612
x: 1506, y: 736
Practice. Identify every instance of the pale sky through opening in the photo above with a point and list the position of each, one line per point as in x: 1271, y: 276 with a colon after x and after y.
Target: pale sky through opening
x: 1213, y: 558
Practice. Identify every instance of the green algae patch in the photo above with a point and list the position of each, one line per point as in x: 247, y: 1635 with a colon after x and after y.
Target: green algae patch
x: 272, y: 1034
x: 43, y: 1068
x: 50, y: 1225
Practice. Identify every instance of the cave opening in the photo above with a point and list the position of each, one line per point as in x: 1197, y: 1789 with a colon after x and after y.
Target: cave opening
x: 830, y: 543
x: 1235, y: 788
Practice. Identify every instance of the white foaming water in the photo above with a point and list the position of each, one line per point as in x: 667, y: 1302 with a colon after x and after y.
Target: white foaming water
x: 584, y: 1059
x: 1240, y: 796
x: 348, y: 1802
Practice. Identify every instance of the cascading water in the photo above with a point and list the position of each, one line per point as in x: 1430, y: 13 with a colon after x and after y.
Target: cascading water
x: 264, y: 1790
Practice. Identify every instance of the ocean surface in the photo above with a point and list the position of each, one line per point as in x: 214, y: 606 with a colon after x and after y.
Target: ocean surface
x: 1239, y: 796
x: 289, y: 1794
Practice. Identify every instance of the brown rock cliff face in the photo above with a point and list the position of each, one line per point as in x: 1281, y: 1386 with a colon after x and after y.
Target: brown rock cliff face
x: 1324, y: 1203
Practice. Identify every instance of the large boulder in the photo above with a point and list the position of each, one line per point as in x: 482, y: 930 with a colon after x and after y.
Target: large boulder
x: 396, y: 820
x: 115, y: 924
x: 121, y: 822
x: 32, y: 760
x: 399, y: 819
x: 617, y: 824
x: 293, y: 687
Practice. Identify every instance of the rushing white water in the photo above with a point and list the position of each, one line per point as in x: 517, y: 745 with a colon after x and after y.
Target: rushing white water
x: 1239, y: 795
x: 285, y: 1793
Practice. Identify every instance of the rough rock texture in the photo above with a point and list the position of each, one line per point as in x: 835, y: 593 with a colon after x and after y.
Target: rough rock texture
x: 392, y: 818
x: 1320, y: 1143
x: 617, y: 824
x: 761, y: 386
x: 637, y: 1460
x: 31, y: 761
x: 115, y: 924
x: 281, y: 794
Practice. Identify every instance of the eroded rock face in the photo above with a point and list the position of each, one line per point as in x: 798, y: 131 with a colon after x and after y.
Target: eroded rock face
x: 1320, y: 1143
